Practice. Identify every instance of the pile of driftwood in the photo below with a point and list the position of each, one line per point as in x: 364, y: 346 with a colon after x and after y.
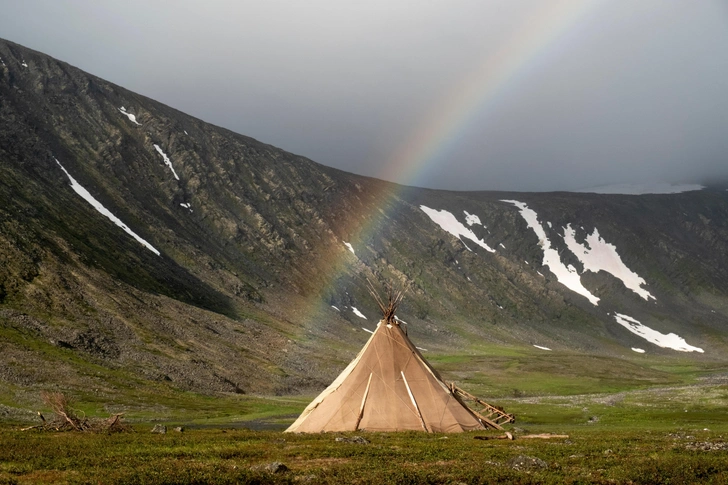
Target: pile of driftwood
x: 65, y: 418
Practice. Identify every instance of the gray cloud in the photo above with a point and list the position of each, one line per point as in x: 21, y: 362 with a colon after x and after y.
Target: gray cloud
x: 625, y: 92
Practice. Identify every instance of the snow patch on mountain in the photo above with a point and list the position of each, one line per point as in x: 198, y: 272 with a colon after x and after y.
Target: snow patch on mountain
x: 540, y: 347
x: 86, y: 195
x: 598, y: 255
x: 167, y: 161
x: 131, y: 117
x: 567, y: 275
x: 449, y: 223
x: 639, y: 351
x: 349, y: 247
x: 186, y: 205
x: 471, y: 219
x: 358, y: 313
x: 669, y: 341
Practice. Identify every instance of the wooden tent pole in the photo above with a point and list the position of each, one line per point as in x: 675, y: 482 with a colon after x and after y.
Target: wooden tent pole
x: 412, y: 397
x: 363, y: 401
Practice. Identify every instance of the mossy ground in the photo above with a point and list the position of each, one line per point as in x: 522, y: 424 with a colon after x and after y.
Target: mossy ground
x: 645, y: 451
x: 646, y: 430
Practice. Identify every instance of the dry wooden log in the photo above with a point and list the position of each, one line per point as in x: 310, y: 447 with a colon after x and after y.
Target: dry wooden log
x: 32, y: 427
x: 546, y: 436
x: 507, y: 436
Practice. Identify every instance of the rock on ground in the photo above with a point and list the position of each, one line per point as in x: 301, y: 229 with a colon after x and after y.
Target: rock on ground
x: 526, y: 463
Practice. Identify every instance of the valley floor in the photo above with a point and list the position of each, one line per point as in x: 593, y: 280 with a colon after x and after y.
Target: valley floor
x: 676, y: 434
x: 641, y: 421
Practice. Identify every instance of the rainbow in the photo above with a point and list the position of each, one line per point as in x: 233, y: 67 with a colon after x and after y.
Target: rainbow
x: 537, y: 35
x: 535, y: 38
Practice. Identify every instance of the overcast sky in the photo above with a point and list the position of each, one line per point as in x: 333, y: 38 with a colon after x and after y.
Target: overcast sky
x: 485, y: 94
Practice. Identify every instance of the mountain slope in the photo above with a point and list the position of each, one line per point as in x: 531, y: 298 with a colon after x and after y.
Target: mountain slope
x: 253, y: 256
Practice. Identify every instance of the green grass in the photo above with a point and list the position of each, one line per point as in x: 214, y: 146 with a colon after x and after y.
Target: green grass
x: 642, y: 436
x: 517, y: 372
x: 191, y: 409
x: 626, y: 445
x: 493, y: 373
x: 627, y: 421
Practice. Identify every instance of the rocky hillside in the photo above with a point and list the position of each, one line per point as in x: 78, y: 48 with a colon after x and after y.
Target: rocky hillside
x: 140, y: 246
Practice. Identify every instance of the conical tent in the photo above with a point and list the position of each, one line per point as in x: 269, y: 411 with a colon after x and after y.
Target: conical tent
x: 389, y: 386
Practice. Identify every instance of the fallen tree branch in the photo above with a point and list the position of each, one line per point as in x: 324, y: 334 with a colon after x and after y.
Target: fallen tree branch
x: 66, y: 418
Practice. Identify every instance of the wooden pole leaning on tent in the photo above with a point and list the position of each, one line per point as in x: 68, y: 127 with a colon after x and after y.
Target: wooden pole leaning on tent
x: 491, y: 416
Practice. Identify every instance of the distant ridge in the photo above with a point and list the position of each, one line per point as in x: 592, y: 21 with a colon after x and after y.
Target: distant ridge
x: 642, y: 189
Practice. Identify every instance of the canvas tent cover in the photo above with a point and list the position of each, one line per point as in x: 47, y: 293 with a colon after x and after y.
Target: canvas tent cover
x: 389, y: 386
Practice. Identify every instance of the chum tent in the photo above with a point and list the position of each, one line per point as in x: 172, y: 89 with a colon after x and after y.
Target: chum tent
x: 390, y: 386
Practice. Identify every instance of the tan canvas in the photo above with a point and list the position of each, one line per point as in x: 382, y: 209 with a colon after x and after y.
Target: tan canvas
x: 388, y: 387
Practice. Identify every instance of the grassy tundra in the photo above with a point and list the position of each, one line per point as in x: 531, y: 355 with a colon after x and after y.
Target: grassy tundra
x: 660, y: 422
